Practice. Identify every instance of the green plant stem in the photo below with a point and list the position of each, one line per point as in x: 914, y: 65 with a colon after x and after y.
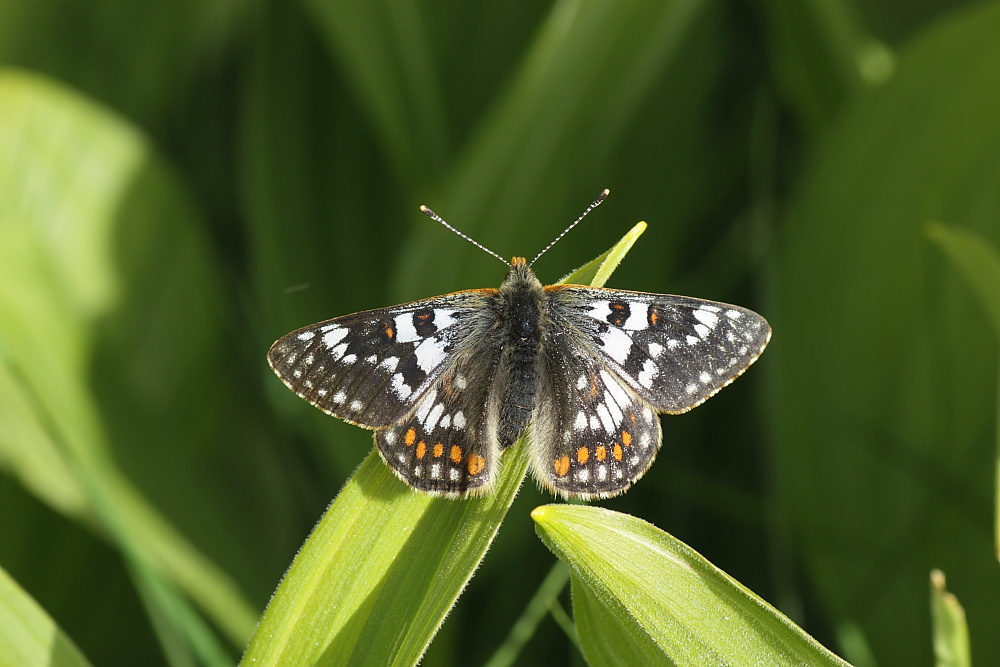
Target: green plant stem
x: 539, y: 605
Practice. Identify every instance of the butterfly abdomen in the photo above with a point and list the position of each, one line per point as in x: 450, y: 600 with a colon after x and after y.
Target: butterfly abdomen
x: 523, y: 301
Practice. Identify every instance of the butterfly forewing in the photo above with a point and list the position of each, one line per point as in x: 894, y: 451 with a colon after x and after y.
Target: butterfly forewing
x: 673, y: 351
x: 372, y: 368
x: 595, y: 436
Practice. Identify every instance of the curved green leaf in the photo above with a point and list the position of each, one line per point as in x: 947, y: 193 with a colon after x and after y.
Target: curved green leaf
x: 71, y: 175
x: 28, y: 636
x: 643, y: 597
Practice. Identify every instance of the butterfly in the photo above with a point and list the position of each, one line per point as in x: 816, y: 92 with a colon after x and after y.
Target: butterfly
x: 448, y: 383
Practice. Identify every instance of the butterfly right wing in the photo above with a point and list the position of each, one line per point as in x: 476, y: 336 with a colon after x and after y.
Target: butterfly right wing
x: 373, y: 368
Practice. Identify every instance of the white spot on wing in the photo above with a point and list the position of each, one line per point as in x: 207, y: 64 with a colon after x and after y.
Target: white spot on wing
x: 702, y: 330
x: 616, y: 344
x: 692, y: 340
x: 432, y: 417
x: 458, y: 421
x: 426, y: 405
x: 648, y: 372
x: 706, y: 317
x: 356, y: 405
x: 600, y: 310
x: 306, y: 335
x: 453, y: 474
x: 430, y: 354
x: 734, y: 314
x: 602, y: 472
x: 691, y: 388
x: 581, y: 382
x: 390, y: 437
x: 581, y: 421
x: 445, y: 422
x: 349, y: 359
x: 606, y: 420
x: 582, y: 475
x: 615, y: 389
x: 461, y: 382
x: 390, y: 363
x: 400, y: 387
x: 405, y: 331
x: 636, y: 318
x: 655, y: 350
x: 436, y: 471
x: 339, y: 397
x: 334, y: 336
x: 444, y: 318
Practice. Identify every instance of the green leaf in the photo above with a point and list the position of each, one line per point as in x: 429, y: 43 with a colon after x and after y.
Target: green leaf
x: 643, y: 597
x: 951, y: 634
x: 28, y: 636
x: 979, y: 263
x: 977, y: 260
x: 597, y: 271
x: 379, y: 573
x: 64, y: 208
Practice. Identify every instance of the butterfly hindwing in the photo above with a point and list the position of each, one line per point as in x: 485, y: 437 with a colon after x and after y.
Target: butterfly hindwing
x: 372, y: 368
x: 446, y: 445
x: 673, y: 351
x: 593, y: 435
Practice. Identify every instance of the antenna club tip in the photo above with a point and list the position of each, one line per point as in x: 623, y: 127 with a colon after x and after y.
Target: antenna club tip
x: 605, y: 192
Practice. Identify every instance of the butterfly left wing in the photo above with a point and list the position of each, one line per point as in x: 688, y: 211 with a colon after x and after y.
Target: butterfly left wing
x: 372, y: 368
x: 447, y: 445
x: 672, y: 351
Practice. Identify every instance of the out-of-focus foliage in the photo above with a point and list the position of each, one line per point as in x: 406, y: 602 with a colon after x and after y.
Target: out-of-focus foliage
x: 183, y: 182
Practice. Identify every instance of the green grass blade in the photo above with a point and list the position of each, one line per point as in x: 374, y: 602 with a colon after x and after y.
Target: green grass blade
x: 951, y: 634
x: 28, y: 636
x: 643, y: 597
x: 379, y: 573
x: 597, y: 271
x: 978, y: 262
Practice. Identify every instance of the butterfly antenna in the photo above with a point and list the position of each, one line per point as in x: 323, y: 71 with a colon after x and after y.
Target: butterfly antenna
x: 434, y: 216
x: 597, y: 202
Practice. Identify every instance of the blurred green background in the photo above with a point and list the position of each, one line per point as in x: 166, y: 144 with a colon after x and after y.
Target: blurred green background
x: 183, y: 182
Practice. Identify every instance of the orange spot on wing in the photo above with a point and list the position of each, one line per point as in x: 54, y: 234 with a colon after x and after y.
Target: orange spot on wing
x: 438, y: 450
x: 476, y: 464
x: 602, y: 452
x: 421, y: 449
x: 582, y: 455
x: 455, y: 454
x: 653, y: 316
x: 561, y: 465
x: 410, y: 437
x: 626, y: 438
x: 616, y: 451
x: 389, y: 332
